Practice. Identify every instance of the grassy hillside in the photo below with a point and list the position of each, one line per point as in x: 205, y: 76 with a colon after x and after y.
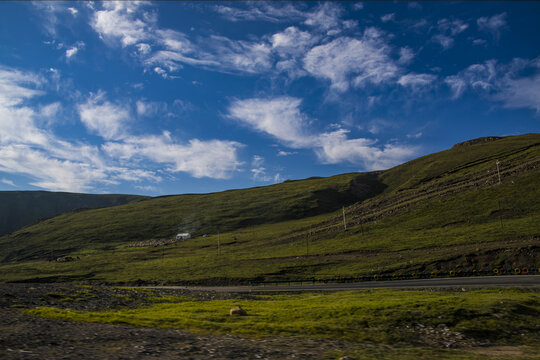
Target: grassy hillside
x: 439, y: 212
x: 199, y: 214
x: 22, y: 208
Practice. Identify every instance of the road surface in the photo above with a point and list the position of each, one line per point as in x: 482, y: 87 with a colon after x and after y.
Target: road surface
x: 464, y: 282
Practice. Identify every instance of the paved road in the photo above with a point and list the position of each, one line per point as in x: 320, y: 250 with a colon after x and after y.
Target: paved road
x: 476, y: 281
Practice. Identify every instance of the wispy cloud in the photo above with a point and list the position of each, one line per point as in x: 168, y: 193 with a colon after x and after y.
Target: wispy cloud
x: 511, y: 84
x: 165, y: 50
x: 337, y: 148
x: 445, y: 41
x: 104, y: 118
x: 492, y: 24
x: 448, y: 29
x: 388, y: 17
x: 260, y: 11
x: 286, y: 153
x: 216, y: 159
x: 8, y: 182
x: 349, y: 61
x: 118, y: 21
x: 417, y: 81
x: 282, y: 118
x: 452, y: 27
x: 73, y: 50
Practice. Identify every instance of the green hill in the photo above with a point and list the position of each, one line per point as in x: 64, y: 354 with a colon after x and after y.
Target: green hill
x: 22, y: 208
x: 438, y: 212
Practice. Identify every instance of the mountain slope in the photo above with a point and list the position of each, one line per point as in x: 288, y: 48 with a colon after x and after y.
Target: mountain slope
x: 163, y: 217
x: 435, y: 213
x: 22, y: 208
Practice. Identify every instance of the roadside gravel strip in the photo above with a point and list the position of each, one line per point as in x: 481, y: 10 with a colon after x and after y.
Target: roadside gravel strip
x: 477, y: 281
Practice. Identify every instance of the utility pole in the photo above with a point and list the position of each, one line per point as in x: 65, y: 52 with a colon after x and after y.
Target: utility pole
x: 344, y: 222
x: 498, y: 171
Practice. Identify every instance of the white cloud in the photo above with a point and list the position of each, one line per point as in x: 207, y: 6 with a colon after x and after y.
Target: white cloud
x: 416, y: 81
x: 280, y: 117
x: 72, y: 11
x: 104, y: 118
x: 494, y: 24
x: 8, y: 182
x: 388, y: 17
x: 452, y: 27
x: 358, y: 6
x: 258, y: 171
x: 51, y: 173
x: 49, y: 11
x: 337, y: 148
x: 418, y: 135
x: 27, y: 149
x: 150, y: 108
x: 243, y: 56
x: 479, y: 42
x: 292, y: 40
x: 257, y: 161
x: 117, y: 21
x: 216, y: 159
x: 325, y: 16
x: 291, y: 44
x: 72, y: 51
x: 286, y: 153
x: 260, y: 11
x: 55, y: 164
x: 406, y: 54
x: 17, y: 122
x: 515, y: 85
x: 345, y: 61
x: 448, y: 29
x: 17, y: 86
x: 166, y: 50
x: 144, y: 48
x: 521, y: 93
x: 445, y: 41
x: 51, y: 110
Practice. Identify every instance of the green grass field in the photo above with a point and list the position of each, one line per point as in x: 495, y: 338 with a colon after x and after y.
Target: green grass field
x: 375, y: 323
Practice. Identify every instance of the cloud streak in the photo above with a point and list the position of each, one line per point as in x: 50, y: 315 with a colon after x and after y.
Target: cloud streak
x: 348, y: 61
x: 282, y: 118
x: 510, y: 84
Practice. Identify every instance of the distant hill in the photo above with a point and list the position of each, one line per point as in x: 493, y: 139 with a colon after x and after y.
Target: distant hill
x: 474, y: 206
x: 22, y: 208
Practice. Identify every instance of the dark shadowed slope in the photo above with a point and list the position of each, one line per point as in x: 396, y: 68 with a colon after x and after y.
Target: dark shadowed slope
x: 22, y: 208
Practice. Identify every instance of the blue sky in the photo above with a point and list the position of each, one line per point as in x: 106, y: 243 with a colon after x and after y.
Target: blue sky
x: 186, y: 97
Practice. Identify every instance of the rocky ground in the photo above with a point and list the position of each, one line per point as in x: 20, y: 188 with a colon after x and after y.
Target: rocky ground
x: 29, y: 337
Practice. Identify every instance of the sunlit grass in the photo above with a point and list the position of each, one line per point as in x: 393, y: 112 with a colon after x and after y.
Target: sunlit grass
x: 379, y: 316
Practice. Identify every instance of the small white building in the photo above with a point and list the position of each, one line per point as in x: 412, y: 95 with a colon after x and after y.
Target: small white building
x: 183, y: 236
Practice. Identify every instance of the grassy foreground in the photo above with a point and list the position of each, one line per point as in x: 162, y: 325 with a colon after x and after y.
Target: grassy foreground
x: 375, y: 323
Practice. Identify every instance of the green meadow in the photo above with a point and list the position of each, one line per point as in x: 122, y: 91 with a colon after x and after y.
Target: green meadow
x: 372, y: 323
